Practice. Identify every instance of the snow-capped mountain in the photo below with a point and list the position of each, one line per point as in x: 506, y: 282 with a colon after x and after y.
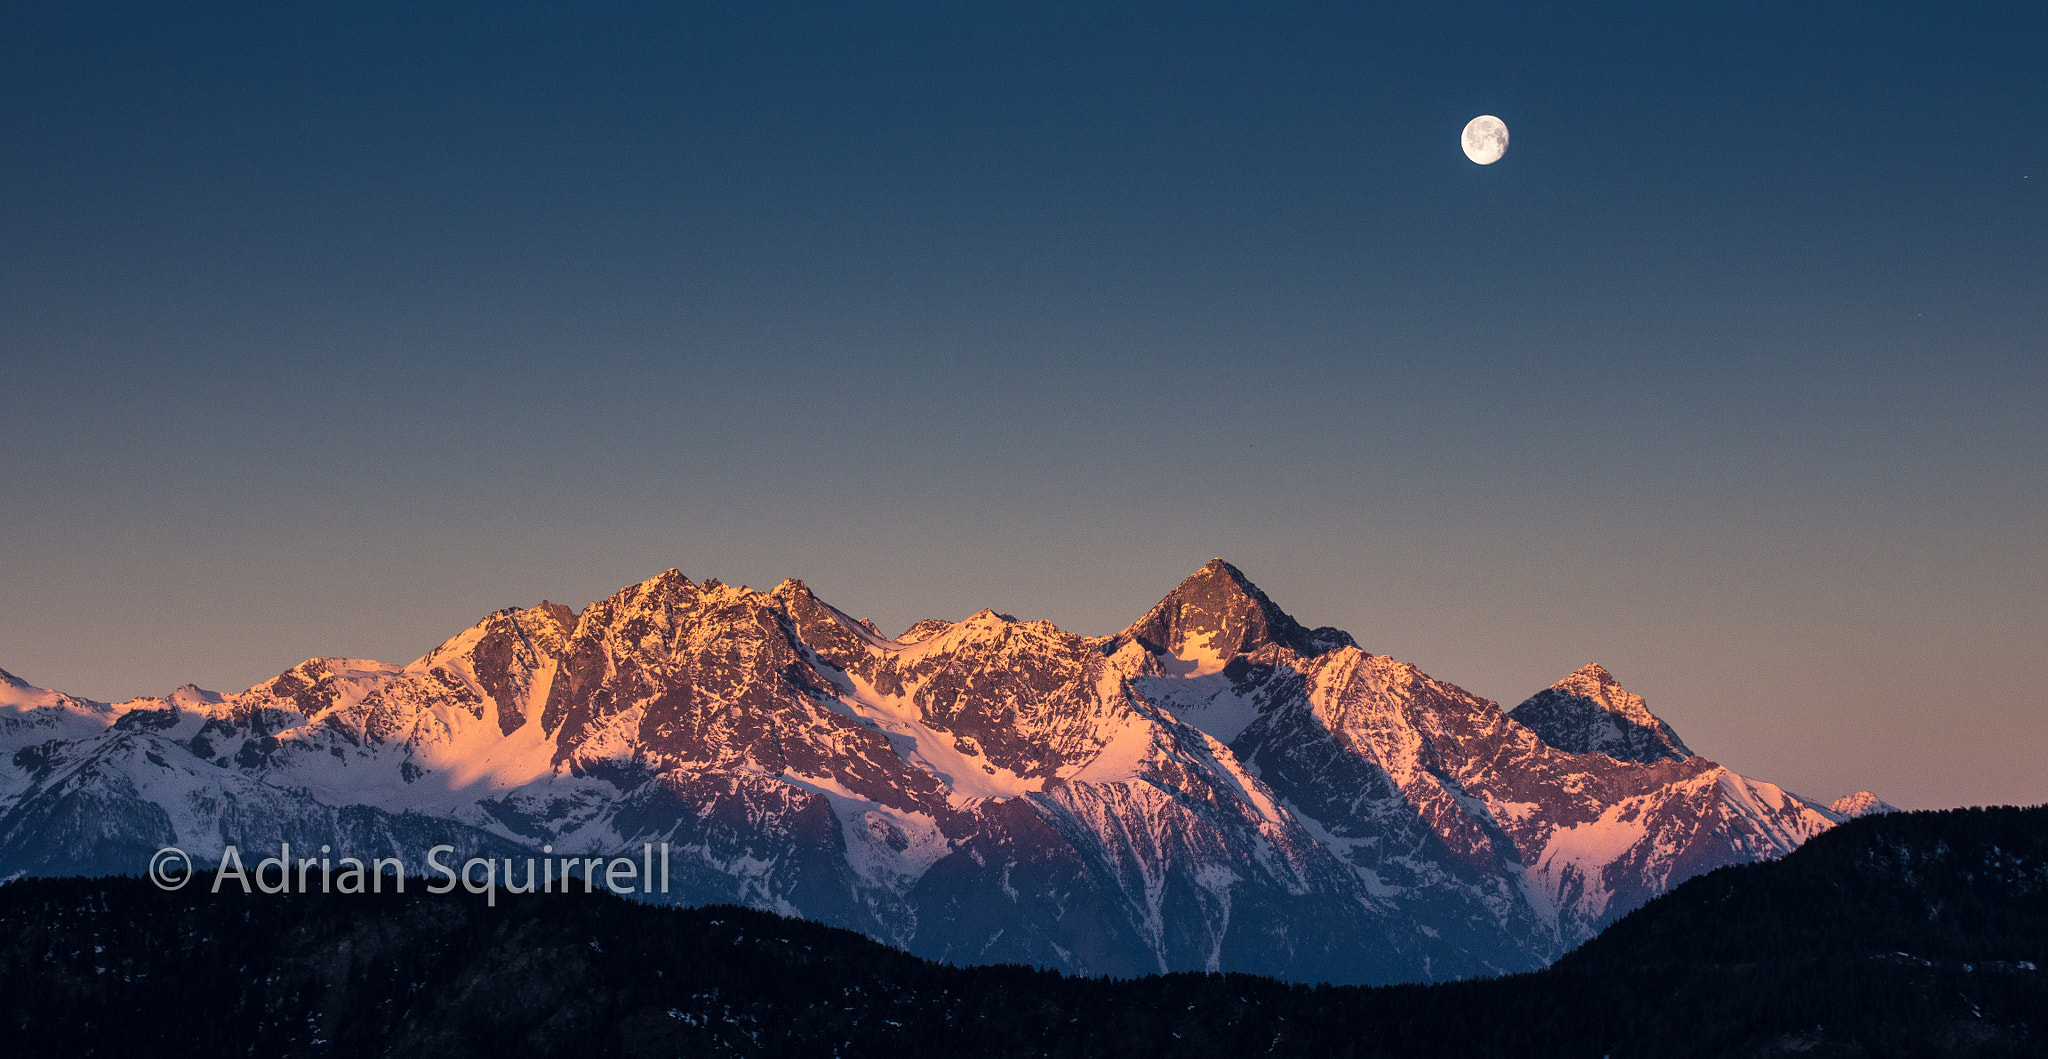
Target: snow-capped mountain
x: 1861, y: 803
x: 1215, y: 787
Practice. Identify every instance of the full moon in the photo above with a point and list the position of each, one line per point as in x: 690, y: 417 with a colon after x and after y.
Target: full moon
x: 1486, y: 139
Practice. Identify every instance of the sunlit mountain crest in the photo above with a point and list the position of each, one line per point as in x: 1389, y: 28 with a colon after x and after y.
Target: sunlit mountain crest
x: 1215, y: 787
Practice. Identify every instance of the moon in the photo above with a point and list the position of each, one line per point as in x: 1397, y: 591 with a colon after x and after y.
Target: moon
x: 1486, y: 139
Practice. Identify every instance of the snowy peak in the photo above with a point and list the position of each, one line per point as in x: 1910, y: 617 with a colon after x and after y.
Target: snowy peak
x: 194, y: 697
x: 1217, y: 614
x: 1590, y: 712
x: 18, y: 695
x: 1862, y: 803
x: 17, y: 692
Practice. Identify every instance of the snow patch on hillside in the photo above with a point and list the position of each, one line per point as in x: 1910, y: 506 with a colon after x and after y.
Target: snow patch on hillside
x: 886, y: 846
x: 1209, y: 702
x: 968, y: 774
x: 1573, y: 865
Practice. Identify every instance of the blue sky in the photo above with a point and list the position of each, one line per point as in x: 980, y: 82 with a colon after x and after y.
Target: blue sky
x: 327, y: 330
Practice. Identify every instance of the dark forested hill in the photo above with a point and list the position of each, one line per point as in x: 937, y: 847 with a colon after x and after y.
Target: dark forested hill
x: 1908, y: 934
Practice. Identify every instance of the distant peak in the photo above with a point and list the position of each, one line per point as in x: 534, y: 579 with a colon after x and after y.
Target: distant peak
x: 924, y: 630
x: 1217, y: 612
x: 20, y: 694
x: 194, y: 695
x: 1590, y: 712
x: 563, y: 616
x: 1216, y: 570
x: 1861, y: 803
x: 1593, y: 681
x: 668, y: 584
x: 1591, y: 672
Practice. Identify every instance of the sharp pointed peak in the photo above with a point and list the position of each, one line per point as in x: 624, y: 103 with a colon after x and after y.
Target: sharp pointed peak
x: 790, y: 588
x: 1219, y: 568
x: 1226, y: 577
x: 1589, y: 711
x: 1591, y: 679
x: 1218, y: 611
x: 673, y: 578
x: 562, y: 613
x: 797, y: 600
x: 806, y: 608
x: 664, y: 585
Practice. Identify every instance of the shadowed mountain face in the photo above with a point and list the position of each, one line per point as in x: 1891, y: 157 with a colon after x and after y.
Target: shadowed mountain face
x: 1590, y: 713
x: 1218, y: 613
x: 1216, y: 787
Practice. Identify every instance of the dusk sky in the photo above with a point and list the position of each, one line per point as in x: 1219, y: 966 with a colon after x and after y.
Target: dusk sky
x: 326, y: 329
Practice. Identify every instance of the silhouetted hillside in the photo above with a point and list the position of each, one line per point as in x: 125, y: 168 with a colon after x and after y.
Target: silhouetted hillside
x: 1907, y: 934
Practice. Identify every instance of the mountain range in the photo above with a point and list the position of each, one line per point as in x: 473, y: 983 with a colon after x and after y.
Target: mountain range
x: 1216, y: 787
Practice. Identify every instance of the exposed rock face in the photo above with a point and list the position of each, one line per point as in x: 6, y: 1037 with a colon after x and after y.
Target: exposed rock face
x: 1588, y: 712
x: 1216, y: 787
x: 1218, y: 614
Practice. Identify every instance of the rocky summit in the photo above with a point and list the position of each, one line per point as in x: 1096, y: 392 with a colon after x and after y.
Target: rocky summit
x: 1216, y: 787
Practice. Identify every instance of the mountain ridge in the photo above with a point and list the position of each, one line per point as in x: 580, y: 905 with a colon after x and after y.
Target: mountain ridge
x: 1215, y: 787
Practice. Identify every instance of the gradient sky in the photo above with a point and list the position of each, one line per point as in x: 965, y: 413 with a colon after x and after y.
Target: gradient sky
x: 327, y: 328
